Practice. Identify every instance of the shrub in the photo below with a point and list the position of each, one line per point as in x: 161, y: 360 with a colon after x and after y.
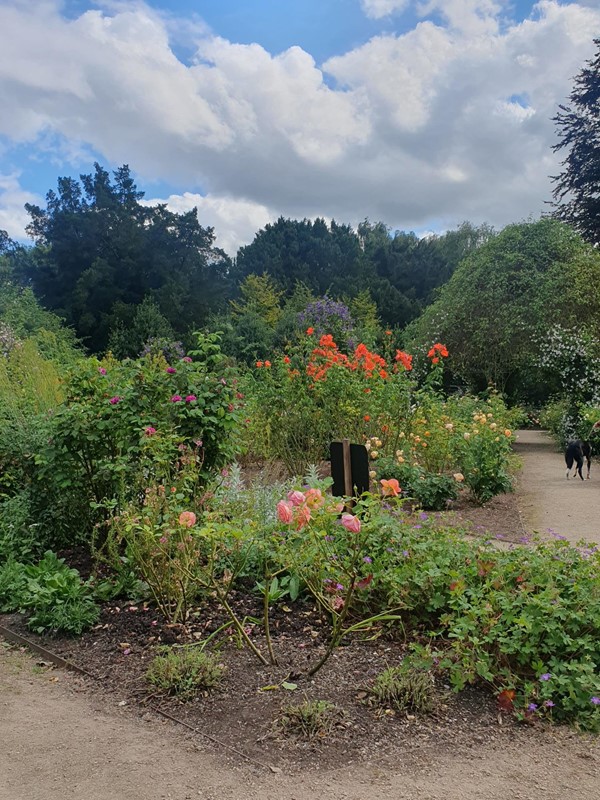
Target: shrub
x: 309, y: 719
x: 185, y: 671
x: 405, y: 688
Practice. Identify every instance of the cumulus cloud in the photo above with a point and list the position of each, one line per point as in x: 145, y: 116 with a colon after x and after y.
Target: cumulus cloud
x: 448, y: 121
x: 13, y: 217
x: 376, y: 9
x: 235, y: 221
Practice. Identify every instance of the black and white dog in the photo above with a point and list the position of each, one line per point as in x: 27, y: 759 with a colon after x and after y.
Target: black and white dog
x: 576, y: 451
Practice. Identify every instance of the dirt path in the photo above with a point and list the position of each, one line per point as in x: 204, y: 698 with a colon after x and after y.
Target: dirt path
x: 547, y: 501
x: 59, y: 741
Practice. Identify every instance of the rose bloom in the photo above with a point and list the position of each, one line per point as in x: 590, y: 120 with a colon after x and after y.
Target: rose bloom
x: 149, y: 430
x: 176, y: 398
x: 114, y: 400
x: 101, y: 370
x: 314, y: 498
x: 171, y: 370
x: 190, y: 398
x: 390, y: 488
x: 285, y: 511
x: 296, y: 498
x: 351, y: 523
x: 187, y: 519
x: 302, y: 517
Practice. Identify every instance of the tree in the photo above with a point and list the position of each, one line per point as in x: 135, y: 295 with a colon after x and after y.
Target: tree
x: 577, y: 191
x: 99, y: 249
x: 503, y: 299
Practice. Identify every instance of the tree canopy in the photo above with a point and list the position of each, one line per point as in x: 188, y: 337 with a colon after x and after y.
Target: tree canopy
x: 100, y: 252
x: 577, y: 190
x: 503, y: 299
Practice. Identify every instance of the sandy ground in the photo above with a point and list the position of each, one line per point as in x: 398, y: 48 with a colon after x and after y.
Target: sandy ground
x: 59, y: 740
x: 548, y: 502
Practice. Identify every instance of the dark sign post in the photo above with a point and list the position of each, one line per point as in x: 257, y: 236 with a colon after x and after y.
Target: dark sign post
x: 349, y: 469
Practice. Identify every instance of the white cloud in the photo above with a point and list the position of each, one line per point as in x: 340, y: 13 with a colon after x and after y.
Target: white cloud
x: 13, y: 217
x: 426, y: 125
x: 376, y: 9
x: 235, y: 221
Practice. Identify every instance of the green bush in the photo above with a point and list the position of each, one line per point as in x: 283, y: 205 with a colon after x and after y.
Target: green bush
x: 405, y: 688
x: 185, y: 671
x: 50, y: 593
x: 309, y: 719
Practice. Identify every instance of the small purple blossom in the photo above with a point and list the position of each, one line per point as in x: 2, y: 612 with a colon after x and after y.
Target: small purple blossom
x: 329, y: 538
x: 339, y: 587
x: 114, y: 400
x: 368, y: 560
x: 546, y: 676
x: 171, y: 370
x: 405, y: 553
x: 101, y: 370
x: 548, y: 703
x: 423, y: 516
x: 190, y: 398
x: 532, y: 707
x: 176, y: 398
x: 595, y: 701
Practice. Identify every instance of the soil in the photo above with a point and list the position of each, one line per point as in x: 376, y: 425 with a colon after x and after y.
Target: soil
x: 102, y: 738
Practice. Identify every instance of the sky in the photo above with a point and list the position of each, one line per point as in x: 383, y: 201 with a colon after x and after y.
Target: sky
x: 418, y: 113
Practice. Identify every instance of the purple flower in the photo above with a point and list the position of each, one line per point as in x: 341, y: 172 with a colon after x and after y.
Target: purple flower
x: 595, y: 701
x: 405, y: 553
x: 149, y: 430
x: 190, y: 398
x: 329, y: 538
x: 114, y: 400
x: 549, y: 704
x: 339, y: 587
x: 416, y: 527
x: 176, y: 398
x: 423, y: 516
x: 532, y: 707
x: 546, y: 676
x: 101, y: 370
x: 368, y: 560
x: 171, y: 370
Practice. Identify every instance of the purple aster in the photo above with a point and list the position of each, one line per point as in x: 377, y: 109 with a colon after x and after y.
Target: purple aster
x: 546, y: 676
x: 595, y: 701
x: 423, y: 516
x: 114, y: 400
x: 368, y: 560
x: 171, y: 370
x: 405, y: 553
x: 549, y: 704
x: 532, y: 707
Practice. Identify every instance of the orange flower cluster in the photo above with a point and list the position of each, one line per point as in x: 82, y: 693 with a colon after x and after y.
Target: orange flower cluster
x: 327, y: 355
x: 436, y: 351
x: 405, y: 359
x: 266, y: 364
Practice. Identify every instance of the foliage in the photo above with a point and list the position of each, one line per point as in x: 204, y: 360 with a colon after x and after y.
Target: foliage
x: 122, y: 425
x: 405, y: 688
x: 50, y: 593
x: 309, y: 719
x: 577, y: 191
x: 99, y: 250
x: 185, y: 671
x: 504, y: 298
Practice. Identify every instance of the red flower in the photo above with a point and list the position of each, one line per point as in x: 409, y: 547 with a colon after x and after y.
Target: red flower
x: 267, y: 364
x: 310, y: 331
x: 405, y: 359
x: 260, y: 364
x: 286, y: 359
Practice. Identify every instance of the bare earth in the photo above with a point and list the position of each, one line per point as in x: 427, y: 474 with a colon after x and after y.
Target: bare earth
x: 61, y: 738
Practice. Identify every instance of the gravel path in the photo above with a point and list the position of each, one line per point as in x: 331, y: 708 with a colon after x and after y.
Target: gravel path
x: 62, y: 742
x: 548, y: 502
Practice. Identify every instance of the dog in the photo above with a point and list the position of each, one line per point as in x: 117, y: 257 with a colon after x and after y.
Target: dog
x: 576, y: 451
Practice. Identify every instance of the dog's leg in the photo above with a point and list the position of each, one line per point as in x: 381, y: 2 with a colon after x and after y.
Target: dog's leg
x: 568, y: 474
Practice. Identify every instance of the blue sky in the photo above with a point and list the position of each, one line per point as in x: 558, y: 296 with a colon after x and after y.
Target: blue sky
x: 419, y: 113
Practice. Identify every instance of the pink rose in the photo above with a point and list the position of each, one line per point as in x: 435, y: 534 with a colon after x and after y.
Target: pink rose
x: 171, y: 370
x: 190, y: 398
x: 351, y: 523
x: 149, y: 430
x: 176, y: 398
x: 296, y: 498
x: 101, y: 370
x: 285, y: 512
x: 302, y: 517
x: 114, y: 400
x: 314, y: 498
x: 187, y: 359
x: 187, y: 519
